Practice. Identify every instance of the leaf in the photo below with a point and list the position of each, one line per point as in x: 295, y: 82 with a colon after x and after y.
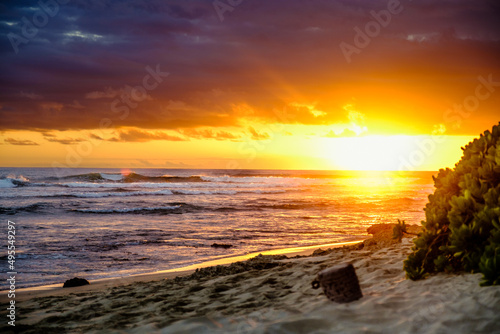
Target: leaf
x: 461, y: 231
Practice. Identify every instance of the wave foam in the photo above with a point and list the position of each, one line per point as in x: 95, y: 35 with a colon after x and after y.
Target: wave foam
x: 12, y: 181
x: 7, y: 183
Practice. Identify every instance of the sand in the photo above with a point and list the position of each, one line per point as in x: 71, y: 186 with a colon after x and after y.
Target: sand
x: 271, y: 294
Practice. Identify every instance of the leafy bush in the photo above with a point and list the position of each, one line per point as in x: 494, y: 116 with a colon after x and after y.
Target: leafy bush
x: 399, y: 230
x: 462, y: 225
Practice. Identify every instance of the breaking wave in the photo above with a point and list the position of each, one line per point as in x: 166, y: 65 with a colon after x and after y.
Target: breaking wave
x: 129, y: 178
x: 13, y: 181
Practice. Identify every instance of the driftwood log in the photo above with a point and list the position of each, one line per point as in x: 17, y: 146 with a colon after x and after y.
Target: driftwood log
x: 339, y: 283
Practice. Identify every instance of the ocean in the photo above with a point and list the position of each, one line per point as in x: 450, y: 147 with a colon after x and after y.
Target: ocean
x: 98, y: 223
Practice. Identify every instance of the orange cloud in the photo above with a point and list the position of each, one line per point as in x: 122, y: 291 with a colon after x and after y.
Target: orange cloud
x: 133, y: 135
x: 258, y: 136
x: 210, y: 134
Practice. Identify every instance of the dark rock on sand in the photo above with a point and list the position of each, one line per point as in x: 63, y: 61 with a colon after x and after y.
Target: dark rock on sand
x: 225, y: 246
x: 75, y: 282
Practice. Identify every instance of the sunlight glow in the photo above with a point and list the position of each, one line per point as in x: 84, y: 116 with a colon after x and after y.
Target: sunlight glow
x: 370, y: 152
x: 126, y: 172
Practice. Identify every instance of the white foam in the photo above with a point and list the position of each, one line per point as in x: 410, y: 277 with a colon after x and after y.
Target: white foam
x: 153, y: 185
x: 225, y: 192
x: 7, y: 183
x: 115, y: 185
x: 258, y: 191
x: 104, y: 194
x: 244, y: 179
x: 276, y: 181
x: 19, y: 178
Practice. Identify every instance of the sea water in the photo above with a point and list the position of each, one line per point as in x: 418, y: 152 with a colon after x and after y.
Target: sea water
x: 97, y: 223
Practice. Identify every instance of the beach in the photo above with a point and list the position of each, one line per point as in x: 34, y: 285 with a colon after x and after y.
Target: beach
x: 271, y: 294
x: 103, y: 223
x: 201, y: 166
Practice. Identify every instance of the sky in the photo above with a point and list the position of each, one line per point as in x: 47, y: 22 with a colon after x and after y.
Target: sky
x: 284, y: 84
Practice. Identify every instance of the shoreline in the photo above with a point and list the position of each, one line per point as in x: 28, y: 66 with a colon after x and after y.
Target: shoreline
x: 273, y: 294
x: 56, y: 289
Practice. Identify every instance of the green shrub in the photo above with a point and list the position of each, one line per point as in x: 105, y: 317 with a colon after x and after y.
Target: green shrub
x: 462, y: 217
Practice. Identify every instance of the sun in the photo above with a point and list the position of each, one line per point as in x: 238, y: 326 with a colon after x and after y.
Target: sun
x: 378, y: 153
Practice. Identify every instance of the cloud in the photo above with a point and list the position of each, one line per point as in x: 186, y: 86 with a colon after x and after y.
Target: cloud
x: 13, y: 141
x: 170, y: 164
x: 133, y: 135
x: 262, y: 56
x: 53, y: 138
x: 107, y: 93
x: 354, y: 116
x: 65, y: 141
x: 76, y: 105
x: 345, y: 133
x: 52, y: 106
x: 211, y: 134
x: 311, y: 108
x: 94, y: 136
x: 31, y: 96
x: 439, y: 129
x: 258, y: 136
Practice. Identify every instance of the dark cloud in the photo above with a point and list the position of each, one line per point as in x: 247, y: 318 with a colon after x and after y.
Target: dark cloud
x: 13, y: 141
x: 94, y: 136
x: 264, y: 55
x: 65, y: 141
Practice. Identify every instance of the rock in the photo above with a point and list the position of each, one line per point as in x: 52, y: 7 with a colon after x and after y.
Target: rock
x: 383, y: 235
x: 75, y: 282
x: 321, y: 252
x: 225, y: 246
